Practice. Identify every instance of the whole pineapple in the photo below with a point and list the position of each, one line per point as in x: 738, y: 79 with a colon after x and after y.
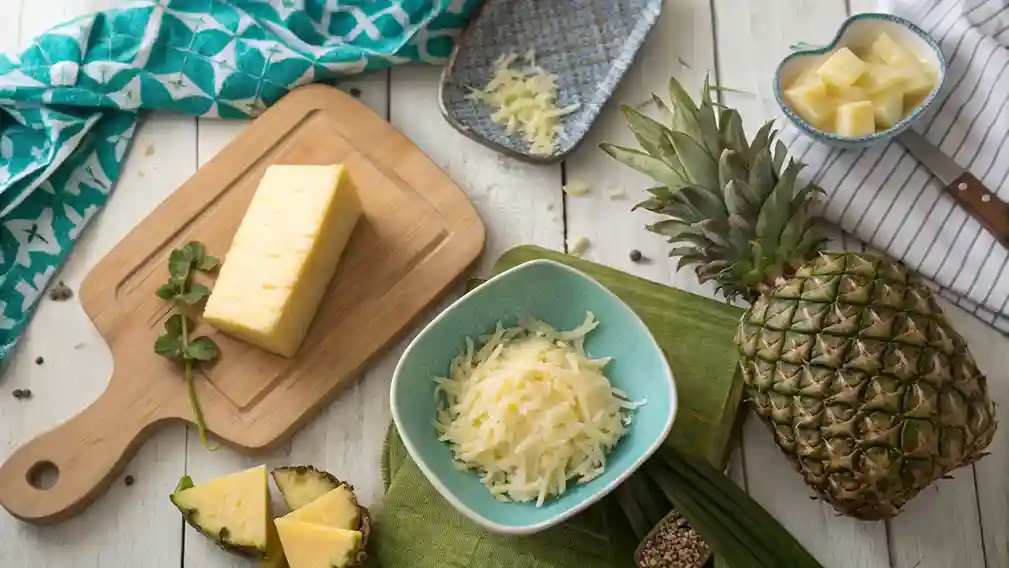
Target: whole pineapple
x: 866, y: 386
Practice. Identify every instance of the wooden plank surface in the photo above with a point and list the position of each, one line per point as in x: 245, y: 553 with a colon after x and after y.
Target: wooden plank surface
x: 135, y: 526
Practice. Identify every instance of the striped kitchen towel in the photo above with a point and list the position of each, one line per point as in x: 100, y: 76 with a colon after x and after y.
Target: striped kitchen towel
x: 886, y: 198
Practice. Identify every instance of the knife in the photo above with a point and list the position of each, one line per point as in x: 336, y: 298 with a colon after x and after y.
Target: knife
x: 979, y: 201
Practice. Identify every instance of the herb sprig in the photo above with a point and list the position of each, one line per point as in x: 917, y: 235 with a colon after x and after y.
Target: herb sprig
x: 176, y: 342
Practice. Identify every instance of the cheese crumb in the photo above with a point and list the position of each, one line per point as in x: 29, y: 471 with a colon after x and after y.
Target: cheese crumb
x: 576, y: 188
x: 617, y: 194
x: 578, y: 245
x: 524, y: 99
x: 530, y: 411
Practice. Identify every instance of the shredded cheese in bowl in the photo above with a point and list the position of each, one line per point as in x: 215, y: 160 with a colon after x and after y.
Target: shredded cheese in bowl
x: 530, y: 412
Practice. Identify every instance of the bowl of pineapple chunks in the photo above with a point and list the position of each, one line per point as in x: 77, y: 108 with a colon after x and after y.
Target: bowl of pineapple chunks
x: 879, y: 75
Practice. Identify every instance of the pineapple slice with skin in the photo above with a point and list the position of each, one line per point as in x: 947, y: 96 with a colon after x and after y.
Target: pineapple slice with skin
x: 317, y: 546
x: 233, y: 511
x: 301, y: 484
x: 842, y: 68
x: 337, y: 509
x: 812, y: 102
x: 855, y: 119
x: 888, y: 107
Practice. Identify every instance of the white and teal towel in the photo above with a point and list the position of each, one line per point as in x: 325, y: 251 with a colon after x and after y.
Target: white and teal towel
x: 884, y: 197
x: 69, y: 102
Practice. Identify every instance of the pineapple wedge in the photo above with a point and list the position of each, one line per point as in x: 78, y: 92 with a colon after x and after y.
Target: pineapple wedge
x: 855, y: 119
x: 233, y: 510
x: 337, y: 509
x: 812, y: 103
x: 842, y: 68
x: 888, y: 107
x: 316, y: 546
x: 301, y: 484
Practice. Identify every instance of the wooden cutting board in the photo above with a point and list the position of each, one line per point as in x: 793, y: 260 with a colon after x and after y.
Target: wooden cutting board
x: 418, y: 236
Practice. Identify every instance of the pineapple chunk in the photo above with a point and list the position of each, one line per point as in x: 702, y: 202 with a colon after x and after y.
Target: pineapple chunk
x: 878, y: 77
x: 812, y: 103
x: 842, y: 68
x: 886, y: 50
x: 855, y: 119
x: 888, y: 106
x: 850, y: 94
x: 917, y: 80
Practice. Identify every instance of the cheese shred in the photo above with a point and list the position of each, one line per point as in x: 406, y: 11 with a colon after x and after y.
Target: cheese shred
x: 524, y: 99
x: 530, y: 412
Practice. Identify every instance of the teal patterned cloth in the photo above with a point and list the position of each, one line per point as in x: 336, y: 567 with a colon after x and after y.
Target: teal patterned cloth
x: 72, y: 99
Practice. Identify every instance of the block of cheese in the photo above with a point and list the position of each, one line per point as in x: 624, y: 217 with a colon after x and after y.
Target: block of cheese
x: 284, y: 255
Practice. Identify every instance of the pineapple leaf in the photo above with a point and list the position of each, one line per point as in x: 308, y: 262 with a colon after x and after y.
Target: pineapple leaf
x: 660, y: 192
x: 801, y: 200
x: 684, y: 111
x: 706, y: 120
x: 730, y: 167
x: 760, y: 141
x: 780, y: 153
x: 740, y: 232
x: 740, y: 199
x: 699, y: 165
x: 646, y: 164
x: 632, y: 510
x: 774, y: 211
x: 687, y: 260
x: 731, y: 126
x: 650, y: 500
x: 623, y: 543
x: 651, y: 204
x: 762, y: 176
x: 652, y: 136
x: 703, y: 203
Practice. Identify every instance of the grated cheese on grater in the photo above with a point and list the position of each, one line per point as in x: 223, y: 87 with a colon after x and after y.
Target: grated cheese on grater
x: 524, y: 100
x: 530, y: 411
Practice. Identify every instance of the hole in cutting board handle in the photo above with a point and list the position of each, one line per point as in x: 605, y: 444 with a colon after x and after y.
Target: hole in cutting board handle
x: 43, y: 475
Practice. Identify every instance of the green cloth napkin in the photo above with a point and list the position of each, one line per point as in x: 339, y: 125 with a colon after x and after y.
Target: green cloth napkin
x: 69, y: 103
x: 417, y: 528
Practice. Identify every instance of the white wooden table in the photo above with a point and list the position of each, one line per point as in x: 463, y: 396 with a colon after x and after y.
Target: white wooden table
x: 961, y: 523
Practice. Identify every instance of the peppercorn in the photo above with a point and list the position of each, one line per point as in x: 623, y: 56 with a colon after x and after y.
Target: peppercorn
x: 18, y: 393
x: 128, y: 480
x: 355, y: 92
x: 39, y: 360
x: 636, y: 255
x: 26, y: 393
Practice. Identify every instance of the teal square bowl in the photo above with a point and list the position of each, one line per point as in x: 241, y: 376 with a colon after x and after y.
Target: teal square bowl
x: 560, y: 296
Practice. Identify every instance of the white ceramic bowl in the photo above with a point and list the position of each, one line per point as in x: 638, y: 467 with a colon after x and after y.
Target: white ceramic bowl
x: 857, y: 33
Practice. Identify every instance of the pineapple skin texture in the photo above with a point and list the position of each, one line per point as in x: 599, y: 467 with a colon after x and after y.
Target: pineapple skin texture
x: 865, y: 385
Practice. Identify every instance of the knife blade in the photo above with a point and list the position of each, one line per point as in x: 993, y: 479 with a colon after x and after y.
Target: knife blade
x: 968, y: 191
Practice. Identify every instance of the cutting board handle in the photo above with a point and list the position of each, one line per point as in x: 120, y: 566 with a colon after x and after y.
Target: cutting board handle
x: 60, y: 472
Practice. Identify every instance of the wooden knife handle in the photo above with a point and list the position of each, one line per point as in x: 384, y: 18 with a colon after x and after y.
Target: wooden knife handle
x: 983, y: 205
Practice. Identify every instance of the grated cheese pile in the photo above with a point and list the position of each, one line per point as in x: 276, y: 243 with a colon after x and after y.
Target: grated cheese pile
x: 524, y: 99
x: 530, y: 411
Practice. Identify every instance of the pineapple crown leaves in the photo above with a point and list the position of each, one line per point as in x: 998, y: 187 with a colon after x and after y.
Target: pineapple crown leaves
x: 731, y: 205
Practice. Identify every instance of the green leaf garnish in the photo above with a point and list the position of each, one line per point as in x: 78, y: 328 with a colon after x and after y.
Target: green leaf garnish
x: 166, y: 291
x: 168, y: 346
x: 208, y: 263
x: 175, y: 343
x: 202, y: 349
x: 196, y: 293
